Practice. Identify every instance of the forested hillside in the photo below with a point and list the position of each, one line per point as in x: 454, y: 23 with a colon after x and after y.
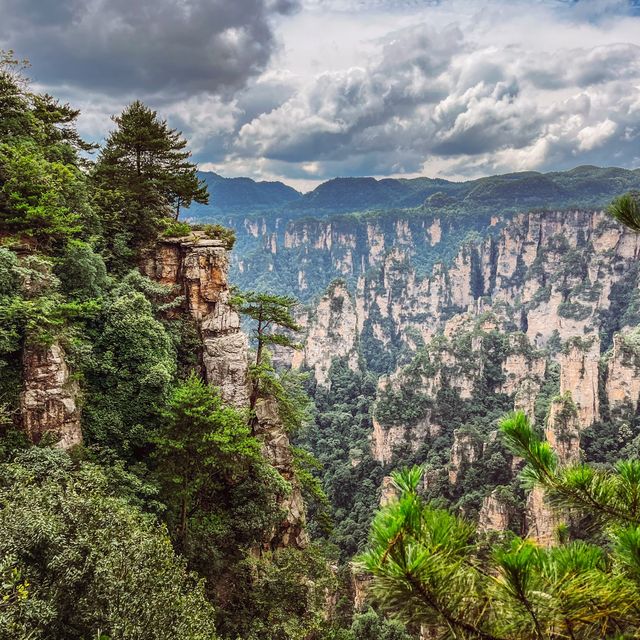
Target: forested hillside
x: 148, y: 488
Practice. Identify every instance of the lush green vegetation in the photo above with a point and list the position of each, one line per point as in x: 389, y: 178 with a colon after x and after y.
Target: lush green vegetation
x: 433, y: 568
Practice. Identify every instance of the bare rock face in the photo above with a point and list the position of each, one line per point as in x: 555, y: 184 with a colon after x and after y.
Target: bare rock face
x: 277, y: 450
x: 198, y: 267
x: 384, y: 440
x: 465, y: 450
x: 622, y: 387
x: 494, y: 513
x: 331, y: 332
x: 360, y: 583
x: 49, y: 399
x: 388, y: 492
x: 542, y: 522
x: 579, y: 376
x: 525, y: 398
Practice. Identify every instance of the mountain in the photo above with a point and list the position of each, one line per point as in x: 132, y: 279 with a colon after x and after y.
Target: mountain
x: 424, y: 324
x: 231, y: 194
x: 582, y: 186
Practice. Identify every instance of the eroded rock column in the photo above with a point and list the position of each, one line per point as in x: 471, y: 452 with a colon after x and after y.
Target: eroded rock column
x: 49, y: 399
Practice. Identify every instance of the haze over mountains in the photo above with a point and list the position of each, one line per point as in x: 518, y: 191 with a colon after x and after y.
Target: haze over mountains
x: 582, y: 186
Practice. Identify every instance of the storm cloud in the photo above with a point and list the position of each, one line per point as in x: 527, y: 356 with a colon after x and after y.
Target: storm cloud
x: 304, y: 90
x: 146, y: 47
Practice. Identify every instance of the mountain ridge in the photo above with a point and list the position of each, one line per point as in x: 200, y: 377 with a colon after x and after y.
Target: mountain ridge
x: 584, y: 185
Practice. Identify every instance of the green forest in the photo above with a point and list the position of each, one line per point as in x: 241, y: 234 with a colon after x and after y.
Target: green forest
x: 162, y: 517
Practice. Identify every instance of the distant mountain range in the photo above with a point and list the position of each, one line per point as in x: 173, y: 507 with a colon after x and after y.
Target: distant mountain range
x: 582, y: 186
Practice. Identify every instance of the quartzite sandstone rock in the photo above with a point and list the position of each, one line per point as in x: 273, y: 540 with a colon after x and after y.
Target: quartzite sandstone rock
x: 49, y: 399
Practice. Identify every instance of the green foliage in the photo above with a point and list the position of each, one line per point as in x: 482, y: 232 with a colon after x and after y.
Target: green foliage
x: 218, y: 232
x: 176, y: 229
x: 339, y: 439
x: 143, y: 176
x: 287, y: 598
x: 609, y: 496
x: 43, y: 195
x: 626, y: 209
x: 369, y: 625
x: 204, y: 448
x: 82, y: 271
x: 82, y: 561
x: 128, y: 373
x: 430, y: 569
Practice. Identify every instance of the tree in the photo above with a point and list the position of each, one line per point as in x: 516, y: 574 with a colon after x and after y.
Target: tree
x: 43, y: 194
x: 273, y: 317
x: 79, y: 561
x: 144, y: 169
x: 204, y: 447
x: 626, y: 210
x: 129, y: 373
x: 431, y: 568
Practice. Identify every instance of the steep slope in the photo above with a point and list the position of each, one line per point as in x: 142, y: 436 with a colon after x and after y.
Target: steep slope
x: 491, y: 295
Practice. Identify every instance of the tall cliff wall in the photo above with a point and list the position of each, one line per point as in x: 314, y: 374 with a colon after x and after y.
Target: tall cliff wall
x: 464, y: 318
x: 49, y: 405
x: 197, y: 267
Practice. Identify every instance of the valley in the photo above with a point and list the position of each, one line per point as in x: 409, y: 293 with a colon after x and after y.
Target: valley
x: 422, y: 329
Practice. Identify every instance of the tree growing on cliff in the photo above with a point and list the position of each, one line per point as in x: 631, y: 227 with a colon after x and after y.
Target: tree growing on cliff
x: 204, y: 447
x: 273, y: 325
x: 144, y: 175
x: 431, y: 568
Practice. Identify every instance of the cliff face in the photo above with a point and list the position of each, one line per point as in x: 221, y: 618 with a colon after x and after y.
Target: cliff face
x: 520, y: 309
x: 198, y: 268
x: 49, y: 399
x: 623, y: 373
x: 331, y: 332
x: 556, y: 272
x: 465, y: 318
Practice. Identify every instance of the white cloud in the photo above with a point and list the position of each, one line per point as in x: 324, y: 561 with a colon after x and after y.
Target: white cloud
x: 450, y: 88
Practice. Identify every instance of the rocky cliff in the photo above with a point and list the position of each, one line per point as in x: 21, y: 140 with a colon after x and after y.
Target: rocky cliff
x: 466, y: 318
x: 197, y: 268
x: 49, y: 405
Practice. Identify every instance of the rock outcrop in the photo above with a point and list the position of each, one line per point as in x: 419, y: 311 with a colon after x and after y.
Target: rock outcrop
x: 49, y: 400
x: 388, y: 491
x: 579, y: 377
x: 494, y: 514
x: 466, y: 449
x: 197, y: 268
x: 622, y: 386
x: 541, y: 521
x: 332, y: 332
x: 277, y: 450
x: 563, y: 429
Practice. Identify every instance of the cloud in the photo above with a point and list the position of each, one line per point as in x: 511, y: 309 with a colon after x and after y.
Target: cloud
x: 146, y: 47
x: 310, y: 89
x: 441, y: 96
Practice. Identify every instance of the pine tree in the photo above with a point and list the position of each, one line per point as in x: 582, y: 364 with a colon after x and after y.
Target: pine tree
x: 145, y: 176
x: 432, y: 568
x: 273, y: 316
x: 626, y: 209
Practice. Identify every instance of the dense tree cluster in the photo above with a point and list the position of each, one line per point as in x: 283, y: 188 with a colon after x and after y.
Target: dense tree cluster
x: 434, y: 569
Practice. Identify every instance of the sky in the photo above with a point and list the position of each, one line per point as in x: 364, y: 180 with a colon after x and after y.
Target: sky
x: 306, y: 90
